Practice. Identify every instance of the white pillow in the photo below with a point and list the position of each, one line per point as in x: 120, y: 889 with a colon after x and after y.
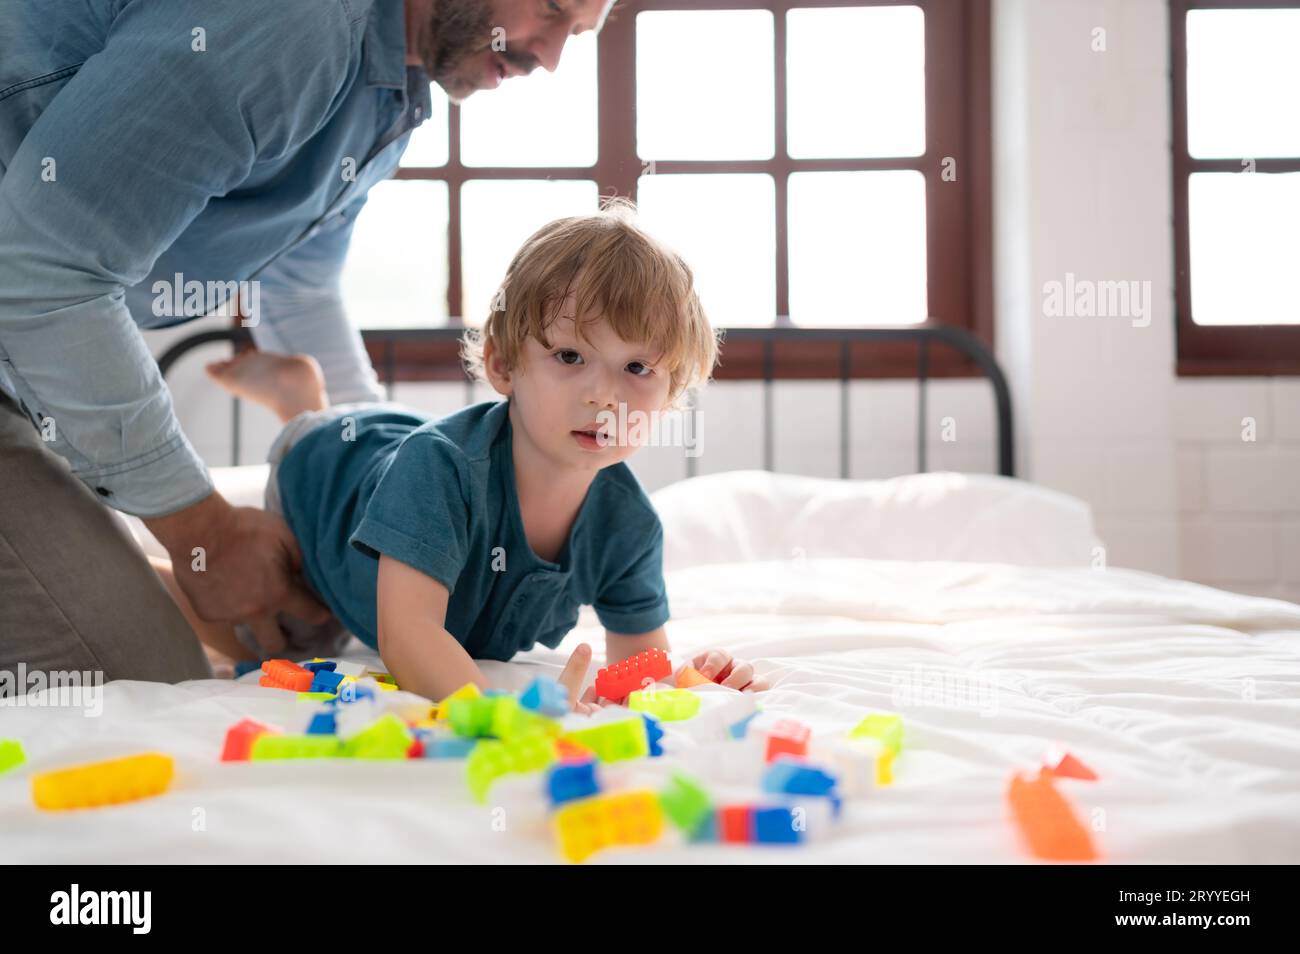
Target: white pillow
x: 746, y: 515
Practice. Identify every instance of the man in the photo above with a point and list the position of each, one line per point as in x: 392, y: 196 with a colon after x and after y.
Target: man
x: 208, y: 143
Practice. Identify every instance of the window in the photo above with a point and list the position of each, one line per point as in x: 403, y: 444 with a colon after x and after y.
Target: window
x: 1236, y: 160
x: 817, y: 163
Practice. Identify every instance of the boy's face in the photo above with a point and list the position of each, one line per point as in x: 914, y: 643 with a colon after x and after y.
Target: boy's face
x: 561, y: 391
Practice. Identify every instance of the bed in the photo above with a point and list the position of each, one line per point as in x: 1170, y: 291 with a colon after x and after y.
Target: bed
x: 978, y: 607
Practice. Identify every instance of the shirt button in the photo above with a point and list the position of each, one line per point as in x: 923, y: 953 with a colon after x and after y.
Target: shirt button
x: 418, y: 113
x: 103, y: 491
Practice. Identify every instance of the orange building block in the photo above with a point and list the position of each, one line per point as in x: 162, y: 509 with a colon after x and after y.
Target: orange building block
x: 283, y: 674
x: 616, y: 681
x: 787, y: 737
x: 1047, y: 820
x: 240, y: 738
x: 103, y: 783
x: 689, y: 676
x: 1057, y: 761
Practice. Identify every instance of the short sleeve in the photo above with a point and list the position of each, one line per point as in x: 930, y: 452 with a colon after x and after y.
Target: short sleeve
x: 635, y: 600
x: 419, y: 510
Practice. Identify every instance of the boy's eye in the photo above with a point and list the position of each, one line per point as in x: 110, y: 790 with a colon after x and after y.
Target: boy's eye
x: 554, y: 7
x: 562, y: 355
x: 644, y: 368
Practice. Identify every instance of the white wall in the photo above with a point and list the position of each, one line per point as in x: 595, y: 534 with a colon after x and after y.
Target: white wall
x: 1082, y: 186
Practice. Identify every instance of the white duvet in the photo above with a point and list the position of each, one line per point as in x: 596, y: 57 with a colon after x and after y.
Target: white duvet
x: 1184, y: 699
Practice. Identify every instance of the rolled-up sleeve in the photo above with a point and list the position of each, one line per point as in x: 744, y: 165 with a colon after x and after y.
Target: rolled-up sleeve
x: 108, y: 176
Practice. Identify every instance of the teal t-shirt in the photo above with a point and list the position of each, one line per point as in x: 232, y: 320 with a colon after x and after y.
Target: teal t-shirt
x: 440, y: 496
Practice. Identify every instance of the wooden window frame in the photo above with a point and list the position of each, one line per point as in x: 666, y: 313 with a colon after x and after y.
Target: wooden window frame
x: 959, y: 252
x: 1217, y: 349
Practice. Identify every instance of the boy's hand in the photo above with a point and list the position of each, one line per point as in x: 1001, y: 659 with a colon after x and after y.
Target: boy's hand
x: 718, y: 665
x: 575, y: 671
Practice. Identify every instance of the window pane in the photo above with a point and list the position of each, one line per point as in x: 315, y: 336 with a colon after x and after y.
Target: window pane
x: 857, y: 248
x: 428, y: 145
x: 1243, y: 83
x: 542, y: 119
x: 396, y: 271
x: 724, y: 226
x: 860, y: 98
x: 497, y: 216
x: 1242, y: 243
x: 704, y: 84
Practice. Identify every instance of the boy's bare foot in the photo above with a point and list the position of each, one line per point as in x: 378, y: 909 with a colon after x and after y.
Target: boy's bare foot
x: 287, y: 384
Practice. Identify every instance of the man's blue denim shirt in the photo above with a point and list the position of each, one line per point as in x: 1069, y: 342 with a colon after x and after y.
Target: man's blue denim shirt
x: 219, y: 140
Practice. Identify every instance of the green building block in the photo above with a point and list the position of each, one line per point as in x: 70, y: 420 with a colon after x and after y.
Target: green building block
x: 884, y: 727
x: 666, y: 705
x: 492, y: 758
x: 685, y: 802
x: 385, y: 738
x: 272, y: 746
x: 315, y: 696
x: 613, y: 741
x: 11, y: 754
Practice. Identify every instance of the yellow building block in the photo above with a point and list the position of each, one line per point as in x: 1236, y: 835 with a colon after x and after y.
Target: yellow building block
x: 468, y: 691
x: 587, y: 825
x: 103, y: 783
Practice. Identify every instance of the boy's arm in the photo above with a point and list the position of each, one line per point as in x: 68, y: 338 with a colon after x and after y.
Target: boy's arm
x: 620, y: 646
x: 413, y: 640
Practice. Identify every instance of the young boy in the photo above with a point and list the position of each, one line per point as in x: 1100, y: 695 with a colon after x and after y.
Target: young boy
x: 441, y: 541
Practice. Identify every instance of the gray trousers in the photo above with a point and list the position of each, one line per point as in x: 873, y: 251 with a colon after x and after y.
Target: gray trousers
x: 76, y: 592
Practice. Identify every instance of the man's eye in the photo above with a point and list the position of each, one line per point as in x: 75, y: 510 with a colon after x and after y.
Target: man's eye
x: 554, y: 7
x: 644, y: 368
x: 561, y: 355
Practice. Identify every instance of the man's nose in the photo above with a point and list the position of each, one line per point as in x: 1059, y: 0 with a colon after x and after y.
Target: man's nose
x: 549, y: 48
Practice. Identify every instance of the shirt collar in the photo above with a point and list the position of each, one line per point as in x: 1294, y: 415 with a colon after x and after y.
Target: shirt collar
x: 384, y: 53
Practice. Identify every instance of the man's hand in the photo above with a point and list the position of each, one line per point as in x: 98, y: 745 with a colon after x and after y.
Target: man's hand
x: 251, y: 564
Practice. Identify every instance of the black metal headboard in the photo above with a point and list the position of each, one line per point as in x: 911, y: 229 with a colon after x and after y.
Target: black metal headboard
x: 383, y: 344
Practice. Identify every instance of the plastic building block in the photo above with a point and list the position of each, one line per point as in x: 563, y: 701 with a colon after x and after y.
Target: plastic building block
x: 415, y: 750
x: 11, y: 754
x: 322, y: 723
x: 792, y: 777
x: 350, y: 692
x: 587, y: 825
x: 884, y: 727
x: 775, y: 825
x: 653, y: 734
x: 738, y: 728
x: 321, y: 665
x: 385, y: 738
x: 1057, y: 761
x: 467, y: 691
x: 736, y: 824
x: 706, y: 832
x: 283, y: 674
x: 239, y: 739
x: 644, y: 669
x: 349, y: 669
x: 444, y: 746
x: 326, y: 681
x: 492, y: 759
x: 614, y: 741
x: 273, y: 747
x: 667, y: 705
x: 103, y: 783
x: 689, y: 676
x: 545, y: 696
x: 885, y: 769
x: 1047, y: 821
x: 569, y: 751
x: 685, y: 803
x: 381, y: 677
x: 787, y: 737
x: 569, y: 780
x: 317, y: 696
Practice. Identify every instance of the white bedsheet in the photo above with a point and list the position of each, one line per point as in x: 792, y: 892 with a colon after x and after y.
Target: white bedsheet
x: 1185, y: 699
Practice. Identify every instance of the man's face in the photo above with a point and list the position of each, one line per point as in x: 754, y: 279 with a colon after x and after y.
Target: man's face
x: 468, y: 45
x: 563, y: 390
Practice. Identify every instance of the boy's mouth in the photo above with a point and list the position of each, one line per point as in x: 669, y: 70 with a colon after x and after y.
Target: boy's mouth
x: 590, y: 438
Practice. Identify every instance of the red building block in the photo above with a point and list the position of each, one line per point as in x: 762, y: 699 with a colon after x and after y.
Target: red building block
x: 1057, y: 761
x: 736, y: 824
x: 283, y: 674
x: 240, y: 737
x: 1047, y: 821
x: 616, y: 681
x: 787, y: 737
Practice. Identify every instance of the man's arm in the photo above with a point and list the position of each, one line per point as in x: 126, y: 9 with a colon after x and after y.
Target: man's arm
x: 115, y: 168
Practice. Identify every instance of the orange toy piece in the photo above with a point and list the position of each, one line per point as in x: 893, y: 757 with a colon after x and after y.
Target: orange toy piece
x: 103, y: 783
x: 240, y: 738
x: 1047, y: 821
x: 689, y: 676
x: 283, y: 674
x: 1057, y: 761
x: 646, y: 668
x: 566, y: 750
x: 787, y: 737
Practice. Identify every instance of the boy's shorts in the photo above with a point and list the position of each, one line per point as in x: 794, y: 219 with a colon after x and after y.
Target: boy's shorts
x: 302, y: 639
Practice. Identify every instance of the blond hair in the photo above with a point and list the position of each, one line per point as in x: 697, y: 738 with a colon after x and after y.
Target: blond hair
x: 643, y: 288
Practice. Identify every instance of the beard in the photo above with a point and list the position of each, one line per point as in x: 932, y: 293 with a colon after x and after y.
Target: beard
x: 457, y: 31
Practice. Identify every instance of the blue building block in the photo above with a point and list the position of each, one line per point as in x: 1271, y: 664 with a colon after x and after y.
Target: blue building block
x: 319, y: 666
x: 738, y: 729
x: 326, y: 680
x: 797, y: 778
x: 496, y: 692
x: 322, y: 723
x: 653, y: 734
x: 775, y: 826
x: 569, y: 780
x: 446, y: 746
x: 546, y: 696
x: 707, y: 830
x: 349, y: 692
